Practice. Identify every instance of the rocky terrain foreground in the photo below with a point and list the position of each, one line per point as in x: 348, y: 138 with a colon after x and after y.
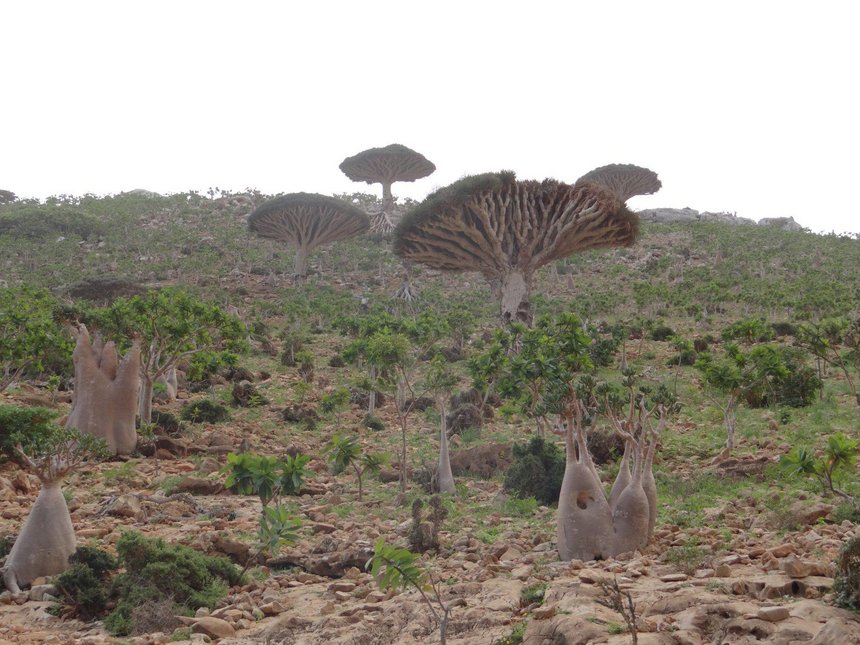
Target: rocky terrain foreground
x: 742, y: 584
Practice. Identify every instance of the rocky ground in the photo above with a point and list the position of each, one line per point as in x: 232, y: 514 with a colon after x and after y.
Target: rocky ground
x: 745, y: 585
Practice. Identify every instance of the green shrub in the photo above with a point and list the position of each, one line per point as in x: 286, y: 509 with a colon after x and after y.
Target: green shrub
x: 167, y: 422
x: 80, y: 588
x: 846, y: 583
x: 156, y: 571
x: 31, y: 427
x: 373, y: 423
x: 99, y: 562
x: 204, y: 411
x: 536, y: 471
x: 266, y: 477
x: 662, y: 333
x: 85, y: 587
x: 35, y: 222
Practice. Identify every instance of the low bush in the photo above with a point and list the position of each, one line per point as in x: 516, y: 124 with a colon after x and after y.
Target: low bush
x: 156, y: 571
x: 204, y: 411
x: 373, y: 422
x: 536, y: 471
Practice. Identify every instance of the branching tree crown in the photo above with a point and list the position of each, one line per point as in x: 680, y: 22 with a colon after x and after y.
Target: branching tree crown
x: 507, y: 229
x: 386, y: 166
x: 624, y: 180
x: 307, y: 221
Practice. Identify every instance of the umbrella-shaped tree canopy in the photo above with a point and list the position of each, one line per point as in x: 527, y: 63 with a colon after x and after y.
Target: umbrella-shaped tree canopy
x: 386, y: 166
x: 625, y: 180
x: 307, y: 220
x: 507, y: 229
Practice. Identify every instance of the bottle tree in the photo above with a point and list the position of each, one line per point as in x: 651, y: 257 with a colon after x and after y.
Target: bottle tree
x: 170, y: 325
x: 47, y: 538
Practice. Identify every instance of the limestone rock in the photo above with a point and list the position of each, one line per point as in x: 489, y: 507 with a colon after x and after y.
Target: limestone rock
x: 213, y: 627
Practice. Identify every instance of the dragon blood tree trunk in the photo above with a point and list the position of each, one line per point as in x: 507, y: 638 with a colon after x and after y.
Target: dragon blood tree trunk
x: 301, y: 266
x: 515, y: 289
x: 45, y: 543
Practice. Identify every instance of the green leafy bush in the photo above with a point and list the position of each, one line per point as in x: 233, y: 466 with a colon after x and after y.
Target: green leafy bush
x: 266, y: 477
x: 35, y: 222
x: 536, y: 471
x: 373, y: 422
x: 156, y: 570
x: 32, y: 342
x: 204, y: 411
x: 662, y: 333
x: 29, y: 427
x: 85, y: 587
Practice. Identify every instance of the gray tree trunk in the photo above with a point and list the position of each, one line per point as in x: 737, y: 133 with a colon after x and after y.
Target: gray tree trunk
x: 515, y: 289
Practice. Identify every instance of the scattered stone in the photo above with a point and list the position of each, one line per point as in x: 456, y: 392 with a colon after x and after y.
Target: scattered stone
x: 782, y: 550
x: 795, y: 567
x: 273, y: 608
x: 199, y: 486
x: 723, y: 571
x: 342, y: 585
x: 773, y: 614
x: 126, y: 506
x: 807, y: 513
x: 674, y: 577
x: 544, y: 612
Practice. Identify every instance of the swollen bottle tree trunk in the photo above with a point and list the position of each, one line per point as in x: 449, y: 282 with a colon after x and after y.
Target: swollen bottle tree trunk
x: 631, y: 512
x: 106, y: 392
x: 584, y: 529
x: 47, y: 539
x: 444, y: 476
x: 44, y: 545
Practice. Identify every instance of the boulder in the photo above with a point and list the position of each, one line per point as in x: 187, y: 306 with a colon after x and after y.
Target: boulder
x: 213, y: 627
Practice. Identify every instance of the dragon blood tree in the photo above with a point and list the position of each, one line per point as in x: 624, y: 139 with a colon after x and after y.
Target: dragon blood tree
x: 624, y: 180
x: 307, y: 221
x: 507, y: 229
x: 386, y: 166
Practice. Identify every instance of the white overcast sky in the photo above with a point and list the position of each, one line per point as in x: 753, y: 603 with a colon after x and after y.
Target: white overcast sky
x: 750, y: 107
